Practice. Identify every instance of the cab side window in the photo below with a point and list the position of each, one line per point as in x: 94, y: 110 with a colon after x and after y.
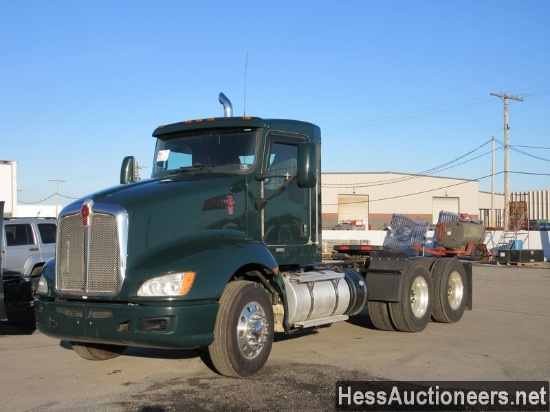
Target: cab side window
x: 283, y: 162
x: 18, y: 235
x: 47, y: 232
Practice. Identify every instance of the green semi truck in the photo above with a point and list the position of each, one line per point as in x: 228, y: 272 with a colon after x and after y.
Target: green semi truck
x: 221, y: 248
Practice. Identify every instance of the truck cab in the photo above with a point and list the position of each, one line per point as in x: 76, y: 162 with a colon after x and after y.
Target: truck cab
x: 220, y: 248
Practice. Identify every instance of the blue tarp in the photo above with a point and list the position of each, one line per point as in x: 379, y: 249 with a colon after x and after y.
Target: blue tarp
x: 405, y: 233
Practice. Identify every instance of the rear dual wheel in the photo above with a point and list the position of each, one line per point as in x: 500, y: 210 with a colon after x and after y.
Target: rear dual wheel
x: 412, y: 313
x: 380, y: 315
x: 450, y: 286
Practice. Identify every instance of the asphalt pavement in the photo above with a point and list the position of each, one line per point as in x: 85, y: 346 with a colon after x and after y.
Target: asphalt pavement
x: 505, y: 337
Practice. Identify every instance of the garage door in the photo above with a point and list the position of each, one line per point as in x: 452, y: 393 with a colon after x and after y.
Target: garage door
x: 354, y: 207
x: 448, y: 204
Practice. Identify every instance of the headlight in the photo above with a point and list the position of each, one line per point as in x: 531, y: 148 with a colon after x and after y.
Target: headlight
x: 42, y: 287
x: 175, y: 284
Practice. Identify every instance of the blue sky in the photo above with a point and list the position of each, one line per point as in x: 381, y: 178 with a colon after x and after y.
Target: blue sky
x: 400, y: 86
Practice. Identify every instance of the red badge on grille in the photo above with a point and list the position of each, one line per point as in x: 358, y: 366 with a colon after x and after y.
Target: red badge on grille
x: 230, y: 202
x: 85, y: 212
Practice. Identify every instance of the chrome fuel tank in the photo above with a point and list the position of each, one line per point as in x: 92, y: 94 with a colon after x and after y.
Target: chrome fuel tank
x: 313, y: 297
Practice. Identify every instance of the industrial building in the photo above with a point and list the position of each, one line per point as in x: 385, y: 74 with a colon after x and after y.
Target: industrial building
x: 368, y: 200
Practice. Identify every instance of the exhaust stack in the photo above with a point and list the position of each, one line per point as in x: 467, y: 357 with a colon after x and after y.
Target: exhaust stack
x: 227, y: 106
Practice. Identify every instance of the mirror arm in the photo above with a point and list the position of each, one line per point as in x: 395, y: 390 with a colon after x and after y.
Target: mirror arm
x: 263, y: 201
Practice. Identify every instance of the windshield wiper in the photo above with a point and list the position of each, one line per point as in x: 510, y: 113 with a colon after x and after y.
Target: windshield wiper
x: 190, y: 169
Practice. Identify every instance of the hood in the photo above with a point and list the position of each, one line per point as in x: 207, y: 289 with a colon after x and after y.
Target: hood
x: 171, y: 212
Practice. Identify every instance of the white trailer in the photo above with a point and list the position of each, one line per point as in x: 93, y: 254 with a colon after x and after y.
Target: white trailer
x: 8, y: 186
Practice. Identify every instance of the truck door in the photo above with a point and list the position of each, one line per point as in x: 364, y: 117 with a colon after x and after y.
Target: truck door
x: 20, y: 244
x: 286, y: 216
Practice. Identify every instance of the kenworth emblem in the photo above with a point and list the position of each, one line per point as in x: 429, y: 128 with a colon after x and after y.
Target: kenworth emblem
x: 86, y: 212
x: 230, y: 203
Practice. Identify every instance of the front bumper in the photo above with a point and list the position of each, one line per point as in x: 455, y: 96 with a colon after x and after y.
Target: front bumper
x: 178, y: 326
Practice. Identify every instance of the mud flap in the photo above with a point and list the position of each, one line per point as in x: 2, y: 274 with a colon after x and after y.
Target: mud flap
x: 384, y: 287
x: 470, y: 291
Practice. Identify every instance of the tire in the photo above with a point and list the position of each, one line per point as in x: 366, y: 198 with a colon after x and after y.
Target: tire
x: 380, y: 316
x: 450, y: 286
x: 97, y: 351
x: 412, y: 313
x: 427, y: 261
x: 243, y: 334
x: 477, y: 253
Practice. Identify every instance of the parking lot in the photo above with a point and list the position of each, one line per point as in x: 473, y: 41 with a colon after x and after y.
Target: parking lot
x: 505, y: 337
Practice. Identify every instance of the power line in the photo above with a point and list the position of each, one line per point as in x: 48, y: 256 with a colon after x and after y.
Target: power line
x: 421, y: 114
x: 34, y: 203
x: 530, y: 147
x: 407, y: 117
x: 433, y: 170
x: 57, y: 181
x: 69, y: 197
x: 418, y: 193
x: 438, y: 188
x: 49, y: 197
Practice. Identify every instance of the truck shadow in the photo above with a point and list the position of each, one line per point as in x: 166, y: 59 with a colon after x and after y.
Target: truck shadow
x: 155, y: 353
x: 202, y: 353
x: 362, y: 320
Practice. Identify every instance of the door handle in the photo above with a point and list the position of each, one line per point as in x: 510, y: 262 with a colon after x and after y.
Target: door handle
x: 33, y: 249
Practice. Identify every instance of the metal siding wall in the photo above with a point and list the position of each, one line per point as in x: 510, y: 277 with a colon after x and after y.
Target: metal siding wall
x: 390, y: 197
x: 397, y: 192
x: 538, y: 202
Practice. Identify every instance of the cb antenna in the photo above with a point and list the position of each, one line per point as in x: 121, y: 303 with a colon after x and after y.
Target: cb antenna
x: 244, y: 91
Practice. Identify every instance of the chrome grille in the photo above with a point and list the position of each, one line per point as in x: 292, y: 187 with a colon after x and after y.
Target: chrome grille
x: 70, y: 254
x: 89, y: 258
x: 103, y: 260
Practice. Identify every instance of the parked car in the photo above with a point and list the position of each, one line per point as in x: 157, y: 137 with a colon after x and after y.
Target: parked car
x: 19, y: 295
x: 27, y: 244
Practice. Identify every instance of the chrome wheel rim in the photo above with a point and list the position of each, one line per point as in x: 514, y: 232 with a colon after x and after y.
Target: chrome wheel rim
x: 252, y: 330
x: 420, y: 296
x: 455, y: 290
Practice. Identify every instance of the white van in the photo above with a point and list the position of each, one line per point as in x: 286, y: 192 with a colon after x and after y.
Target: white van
x: 28, y: 243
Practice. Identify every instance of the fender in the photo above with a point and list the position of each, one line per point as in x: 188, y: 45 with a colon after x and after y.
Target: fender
x: 31, y: 262
x: 215, y: 255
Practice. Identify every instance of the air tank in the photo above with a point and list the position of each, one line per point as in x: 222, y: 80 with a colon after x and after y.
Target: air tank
x: 457, y: 234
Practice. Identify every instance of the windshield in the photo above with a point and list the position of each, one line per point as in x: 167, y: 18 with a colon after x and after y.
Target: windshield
x: 217, y: 150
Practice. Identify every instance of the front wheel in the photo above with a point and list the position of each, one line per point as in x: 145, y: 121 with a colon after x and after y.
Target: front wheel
x: 97, y: 351
x: 243, y: 334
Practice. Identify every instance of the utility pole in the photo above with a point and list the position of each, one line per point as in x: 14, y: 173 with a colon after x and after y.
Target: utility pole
x: 492, y: 215
x: 57, y: 181
x: 504, y: 97
x: 137, y: 169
